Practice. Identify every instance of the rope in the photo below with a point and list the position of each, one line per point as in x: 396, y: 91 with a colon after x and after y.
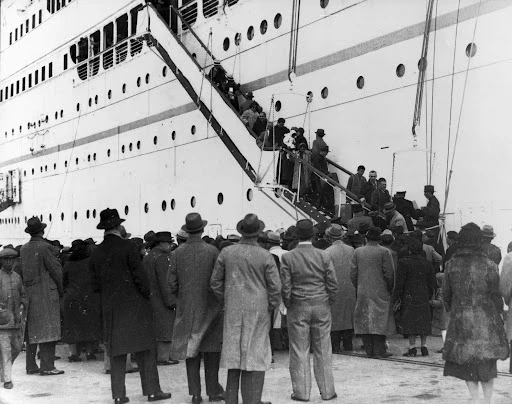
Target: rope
x: 432, y: 102
x: 204, y: 68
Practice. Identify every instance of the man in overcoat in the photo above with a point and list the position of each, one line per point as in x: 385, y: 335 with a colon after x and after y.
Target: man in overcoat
x: 246, y: 281
x: 309, y: 288
x: 198, y: 327
x: 372, y: 274
x: 118, y: 275
x: 42, y: 277
x: 342, y: 310
x: 430, y: 213
x: 163, y: 302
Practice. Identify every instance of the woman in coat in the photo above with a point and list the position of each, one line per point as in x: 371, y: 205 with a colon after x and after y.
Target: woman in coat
x: 415, y: 284
x: 301, y: 172
x: 81, y: 325
x: 506, y: 293
x: 476, y: 336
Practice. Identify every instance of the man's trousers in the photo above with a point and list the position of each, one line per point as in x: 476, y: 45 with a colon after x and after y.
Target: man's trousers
x: 374, y: 344
x: 10, y: 347
x: 345, y: 335
x: 47, y: 350
x: 250, y: 382
x: 310, y: 326
x: 211, y: 374
x: 146, y: 361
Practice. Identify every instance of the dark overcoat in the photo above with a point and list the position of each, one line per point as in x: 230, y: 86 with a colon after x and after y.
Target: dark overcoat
x: 414, y: 286
x: 163, y: 302
x: 471, y: 295
x: 82, y: 314
x: 42, y: 276
x: 198, y: 326
x: 118, y: 275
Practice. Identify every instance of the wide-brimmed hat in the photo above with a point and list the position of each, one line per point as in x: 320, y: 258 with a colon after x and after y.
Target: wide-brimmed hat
x: 78, y: 245
x: 335, y: 231
x: 304, y: 229
x: 182, y: 234
x: 163, y: 237
x: 109, y: 218
x: 289, y: 234
x: 428, y: 188
x: 320, y: 132
x: 194, y: 223
x: 8, y: 253
x: 89, y: 241
x: 488, y: 231
x: 389, y: 207
x: 34, y: 225
x: 274, y: 237
x: 234, y: 238
x: 149, y: 236
x: 321, y: 227
x: 56, y: 243
x: 250, y: 225
x: 373, y: 233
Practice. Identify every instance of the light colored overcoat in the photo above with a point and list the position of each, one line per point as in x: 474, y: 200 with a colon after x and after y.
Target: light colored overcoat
x: 246, y: 280
x: 506, y: 291
x: 42, y: 276
x: 372, y: 274
x: 342, y: 311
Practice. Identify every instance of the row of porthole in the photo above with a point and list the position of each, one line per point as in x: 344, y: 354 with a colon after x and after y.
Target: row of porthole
x: 33, y: 124
x: 278, y: 20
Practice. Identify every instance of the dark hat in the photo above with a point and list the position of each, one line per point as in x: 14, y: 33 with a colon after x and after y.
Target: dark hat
x: 34, y: 225
x: 90, y: 241
x: 289, y: 234
x: 78, y: 245
x: 373, y: 234
x: 163, y: 237
x: 335, y: 231
x: 415, y: 246
x: 470, y: 236
x: 417, y: 234
x: 304, y: 229
x: 274, y: 237
x: 389, y: 207
x: 488, y: 231
x: 109, y: 218
x: 387, y: 239
x: 320, y: 132
x: 138, y: 243
x: 250, y: 225
x: 182, y: 234
x: 428, y: 188
x: 421, y: 224
x: 194, y: 223
x: 321, y: 227
x: 56, y: 243
x: 263, y: 237
x: 281, y: 120
x: 149, y: 236
x: 356, y: 208
x: 250, y: 95
x: 452, y: 235
x: 8, y: 253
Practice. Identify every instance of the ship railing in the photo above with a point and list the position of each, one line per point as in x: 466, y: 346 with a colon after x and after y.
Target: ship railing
x: 189, y: 13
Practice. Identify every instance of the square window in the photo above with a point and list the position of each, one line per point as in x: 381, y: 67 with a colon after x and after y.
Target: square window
x: 50, y: 70
x: 33, y: 21
x: 36, y: 77
x: 30, y: 80
x: 27, y: 25
x: 40, y: 16
x: 10, y: 38
x: 23, y: 84
x: 43, y: 73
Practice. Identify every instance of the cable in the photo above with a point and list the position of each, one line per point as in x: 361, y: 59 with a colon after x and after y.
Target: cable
x: 432, y: 97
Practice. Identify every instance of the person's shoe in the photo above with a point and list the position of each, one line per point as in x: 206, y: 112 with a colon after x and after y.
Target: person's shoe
x: 424, y: 351
x: 295, y: 398
x: 8, y: 385
x: 440, y: 350
x: 332, y: 398
x: 167, y: 363
x: 218, y: 397
x: 411, y: 352
x: 33, y: 371
x: 54, y: 372
x: 384, y: 355
x: 74, y: 358
x: 132, y: 370
x: 121, y: 400
x: 91, y: 357
x: 159, y: 395
x: 197, y: 399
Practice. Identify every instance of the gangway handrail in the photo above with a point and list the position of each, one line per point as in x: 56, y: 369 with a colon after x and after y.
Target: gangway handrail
x: 332, y: 163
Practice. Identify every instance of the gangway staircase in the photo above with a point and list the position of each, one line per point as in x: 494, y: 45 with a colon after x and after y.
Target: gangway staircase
x: 221, y: 115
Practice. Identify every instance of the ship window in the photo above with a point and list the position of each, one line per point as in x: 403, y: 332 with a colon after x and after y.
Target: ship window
x: 33, y: 21
x: 32, y: 171
x: 324, y: 3
x: 56, y: 115
x: 238, y: 38
x: 471, y: 50
x: 250, y: 33
x: 21, y: 30
x: 61, y: 113
x: 278, y: 20
x: 78, y: 107
x: 173, y: 135
x: 27, y: 26
x: 210, y: 7
x: 422, y: 63
x: 108, y: 153
x: 138, y: 82
x: 54, y: 166
x: 122, y: 149
x: 134, y: 13
x: 90, y: 102
x: 130, y: 147
x: 1, y: 95
x: 23, y: 84
x: 263, y: 27
x: 164, y: 71
x: 48, y: 5
x: 53, y: 7
x: 16, y: 34
x: 96, y: 100
x: 50, y: 70
x: 138, y: 145
x: 400, y: 70
x: 72, y: 53
x: 225, y: 44
x: 88, y: 214
x: 95, y: 43
x: 83, y: 49
x: 24, y: 173
x: 64, y: 3
x: 220, y: 198
x: 7, y: 92
x: 278, y: 106
x: 89, y: 158
x: 108, y: 35
x: 122, y: 28
x: 17, y: 87
x: 249, y: 195
x: 36, y: 77
x: 94, y: 213
x: 164, y: 206
x: 12, y: 89
x: 155, y: 140
x: 94, y: 156
x: 45, y: 168
x: 62, y: 216
x: 43, y: 71
x: 126, y: 210
x: 325, y: 92
x: 40, y: 16
x: 193, y: 201
x: 30, y: 80
x: 109, y: 94
x: 146, y: 207
x: 66, y: 61
x: 193, y: 129
x: 147, y: 78
x: 66, y: 164
x: 360, y: 82
x: 124, y: 88
x: 10, y: 38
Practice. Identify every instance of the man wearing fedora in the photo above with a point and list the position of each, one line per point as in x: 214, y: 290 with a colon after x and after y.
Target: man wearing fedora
x: 309, y: 288
x: 42, y: 277
x: 405, y: 207
x: 246, y: 282
x: 342, y: 310
x: 118, y: 275
x: 372, y: 274
x: 359, y: 218
x: 493, y: 252
x: 394, y: 218
x: 198, y: 327
x: 430, y: 213
x: 163, y: 302
x: 318, y: 143
x: 12, y: 302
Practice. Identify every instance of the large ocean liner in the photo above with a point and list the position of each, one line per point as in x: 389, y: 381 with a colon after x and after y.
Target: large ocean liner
x: 108, y: 103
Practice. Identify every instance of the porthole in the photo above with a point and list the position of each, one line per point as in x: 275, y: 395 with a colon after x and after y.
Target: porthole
x: 90, y: 102
x: 41, y: 168
x: 155, y: 140
x: 193, y: 129
x: 124, y: 88
x: 422, y: 64
x: 324, y: 3
x: 250, y: 33
x: 94, y: 213
x: 164, y: 71
x: 164, y: 206
x: 54, y: 166
x: 225, y: 44
x: 62, y: 113
x: 78, y: 107
x: 62, y: 216
x: 173, y: 135
x: 278, y: 20
x: 146, y: 207
x: 173, y: 204
x: 138, y: 145
x: 249, y: 194
x: 126, y: 210
x: 20, y: 128
x: 50, y: 217
x: 94, y: 156
x: 32, y: 171
x: 400, y: 70
x: 28, y: 127
x: 56, y: 115
x: 138, y: 82
x: 309, y: 96
x: 122, y: 149
x: 109, y: 94
x: 325, y: 92
x: 41, y: 217
x: 108, y: 153
x: 66, y: 163
x: 130, y: 147
x: 263, y: 27
x: 220, y: 198
x: 46, y: 119
x: 238, y: 38
x: 45, y: 168
x: 278, y: 106
x: 360, y: 82
x: 88, y: 214
x: 26, y: 219
x: 24, y: 173
x: 76, y: 161
x: 96, y: 100
x: 76, y: 215
x: 471, y: 50
x: 147, y: 78
x: 193, y: 201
